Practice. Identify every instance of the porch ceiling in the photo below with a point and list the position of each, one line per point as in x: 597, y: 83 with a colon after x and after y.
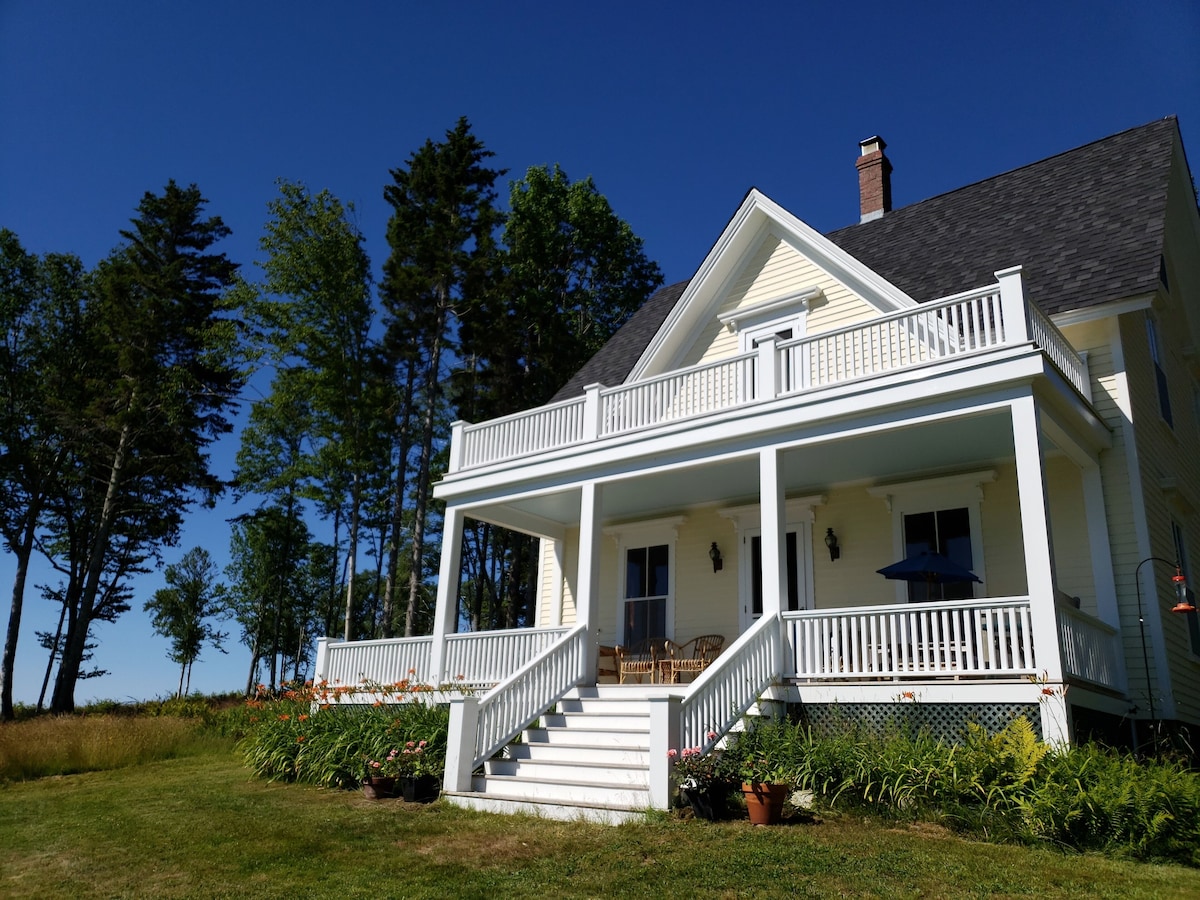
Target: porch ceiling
x: 932, y: 447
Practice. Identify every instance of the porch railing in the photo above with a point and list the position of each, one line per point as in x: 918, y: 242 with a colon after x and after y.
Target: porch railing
x: 515, y: 702
x: 382, y: 662
x: 529, y: 431
x: 1089, y: 647
x: 730, y: 686
x: 481, y: 658
x: 959, y: 638
x: 696, y: 391
x: 966, y: 323
x: 1061, y: 353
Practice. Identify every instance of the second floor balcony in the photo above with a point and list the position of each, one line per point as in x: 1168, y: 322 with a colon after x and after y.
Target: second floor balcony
x: 944, y: 332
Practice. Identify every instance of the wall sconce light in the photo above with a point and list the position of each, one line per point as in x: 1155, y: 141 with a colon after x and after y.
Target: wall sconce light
x: 714, y: 553
x: 831, y: 542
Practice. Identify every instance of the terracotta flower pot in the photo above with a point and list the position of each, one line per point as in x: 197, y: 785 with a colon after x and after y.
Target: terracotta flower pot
x: 764, y: 802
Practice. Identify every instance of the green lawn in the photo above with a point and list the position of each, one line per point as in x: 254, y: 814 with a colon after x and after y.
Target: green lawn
x: 204, y: 827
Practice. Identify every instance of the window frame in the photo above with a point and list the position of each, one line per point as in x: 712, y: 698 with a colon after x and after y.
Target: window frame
x: 931, y: 495
x: 638, y: 535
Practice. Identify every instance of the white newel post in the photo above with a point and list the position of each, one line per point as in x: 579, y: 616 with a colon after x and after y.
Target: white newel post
x: 460, y: 744
x: 591, y: 411
x: 587, y: 604
x: 1012, y: 305
x: 445, y: 619
x: 768, y: 369
x: 456, y: 446
x: 321, y: 666
x: 1039, y: 567
x: 664, y: 736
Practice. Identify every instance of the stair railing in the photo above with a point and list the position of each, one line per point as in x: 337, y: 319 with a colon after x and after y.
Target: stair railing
x: 731, y: 685
x: 480, y: 726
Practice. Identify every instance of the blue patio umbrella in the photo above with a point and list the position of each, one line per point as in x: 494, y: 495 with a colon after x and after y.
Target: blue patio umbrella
x: 929, y: 567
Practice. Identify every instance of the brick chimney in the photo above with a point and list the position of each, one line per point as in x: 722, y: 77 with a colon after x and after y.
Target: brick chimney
x: 874, y: 179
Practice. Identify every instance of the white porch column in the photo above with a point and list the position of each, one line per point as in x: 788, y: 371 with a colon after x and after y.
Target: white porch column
x: 774, y: 557
x: 445, y: 619
x: 556, y: 592
x: 1102, y: 565
x: 321, y: 666
x: 587, y: 603
x: 1035, y: 534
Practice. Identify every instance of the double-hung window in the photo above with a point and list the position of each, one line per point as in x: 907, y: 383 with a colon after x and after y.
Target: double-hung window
x: 647, y: 589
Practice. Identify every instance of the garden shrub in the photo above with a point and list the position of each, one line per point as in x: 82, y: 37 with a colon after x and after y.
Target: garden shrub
x: 1011, y: 786
x: 293, y: 739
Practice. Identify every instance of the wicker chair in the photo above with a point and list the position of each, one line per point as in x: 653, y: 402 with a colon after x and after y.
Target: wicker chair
x: 641, y: 659
x: 694, y: 656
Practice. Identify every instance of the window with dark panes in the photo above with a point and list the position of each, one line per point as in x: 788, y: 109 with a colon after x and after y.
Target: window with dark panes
x: 647, y: 573
x: 944, y: 531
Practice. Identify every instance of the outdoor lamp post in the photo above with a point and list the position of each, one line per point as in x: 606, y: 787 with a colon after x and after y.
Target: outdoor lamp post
x: 1181, y: 606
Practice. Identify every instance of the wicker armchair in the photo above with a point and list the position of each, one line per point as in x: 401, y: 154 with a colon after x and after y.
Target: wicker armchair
x: 694, y: 656
x: 640, y: 659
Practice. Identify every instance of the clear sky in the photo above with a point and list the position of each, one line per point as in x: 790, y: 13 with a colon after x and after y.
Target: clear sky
x: 675, y: 109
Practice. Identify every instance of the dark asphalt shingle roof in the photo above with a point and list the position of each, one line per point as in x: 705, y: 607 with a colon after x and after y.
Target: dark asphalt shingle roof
x: 1086, y: 225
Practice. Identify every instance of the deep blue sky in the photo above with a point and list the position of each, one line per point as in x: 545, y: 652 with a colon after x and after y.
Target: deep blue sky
x: 675, y: 109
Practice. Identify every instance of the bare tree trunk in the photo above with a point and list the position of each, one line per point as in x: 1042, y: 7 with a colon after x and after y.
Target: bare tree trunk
x: 79, y: 623
x: 62, y: 615
x: 423, y: 474
x: 393, y: 551
x: 8, y: 666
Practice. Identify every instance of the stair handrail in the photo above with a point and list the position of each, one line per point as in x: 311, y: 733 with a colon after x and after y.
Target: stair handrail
x: 727, y: 689
x: 513, y: 704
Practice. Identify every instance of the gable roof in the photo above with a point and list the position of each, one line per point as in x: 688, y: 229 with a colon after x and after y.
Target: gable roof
x: 1086, y: 225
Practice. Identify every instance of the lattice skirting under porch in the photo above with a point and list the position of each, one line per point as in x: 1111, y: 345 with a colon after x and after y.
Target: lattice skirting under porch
x: 947, y: 721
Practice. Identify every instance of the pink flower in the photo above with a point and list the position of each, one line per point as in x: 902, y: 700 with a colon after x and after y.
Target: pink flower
x: 671, y: 754
x: 712, y: 735
x: 411, y: 744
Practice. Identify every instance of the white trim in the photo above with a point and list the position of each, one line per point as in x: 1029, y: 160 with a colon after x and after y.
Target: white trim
x: 746, y: 316
x: 646, y: 533
x: 950, y: 487
x: 757, y: 217
x: 1101, y: 311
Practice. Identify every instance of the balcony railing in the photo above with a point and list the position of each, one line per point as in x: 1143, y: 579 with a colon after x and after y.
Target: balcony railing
x: 989, y: 637
x: 967, y: 323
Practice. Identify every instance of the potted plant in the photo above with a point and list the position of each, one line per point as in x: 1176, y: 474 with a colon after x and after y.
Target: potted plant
x: 420, y: 772
x: 762, y: 756
x: 380, y: 775
x: 704, y: 780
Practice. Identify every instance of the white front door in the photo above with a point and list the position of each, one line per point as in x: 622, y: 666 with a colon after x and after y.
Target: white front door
x: 799, y: 577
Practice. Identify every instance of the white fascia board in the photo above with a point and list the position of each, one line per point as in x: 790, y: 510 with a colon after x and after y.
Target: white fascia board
x: 755, y: 218
x: 1111, y: 309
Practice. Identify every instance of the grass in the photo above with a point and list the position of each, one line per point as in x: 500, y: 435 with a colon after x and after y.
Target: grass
x: 64, y: 745
x: 203, y: 826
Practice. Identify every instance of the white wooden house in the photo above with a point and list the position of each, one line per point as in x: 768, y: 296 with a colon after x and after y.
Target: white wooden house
x: 1006, y: 373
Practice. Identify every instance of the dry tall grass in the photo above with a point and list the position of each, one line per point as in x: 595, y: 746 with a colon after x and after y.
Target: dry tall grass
x: 63, y: 745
